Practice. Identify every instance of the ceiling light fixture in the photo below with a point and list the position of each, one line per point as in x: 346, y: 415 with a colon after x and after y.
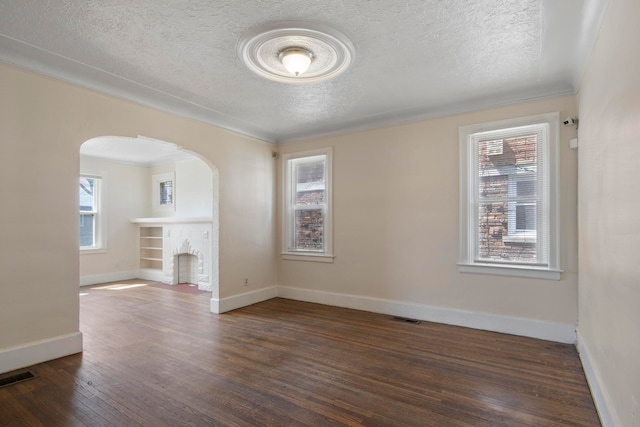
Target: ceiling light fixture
x: 296, y: 60
x: 296, y: 52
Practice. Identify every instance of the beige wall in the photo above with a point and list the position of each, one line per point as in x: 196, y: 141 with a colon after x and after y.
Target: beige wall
x: 125, y: 191
x: 395, y: 194
x: 609, y: 159
x: 43, y: 122
x: 194, y: 188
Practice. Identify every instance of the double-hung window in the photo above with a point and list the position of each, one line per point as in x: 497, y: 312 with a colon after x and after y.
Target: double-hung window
x: 307, y: 206
x: 90, y: 215
x: 508, y: 203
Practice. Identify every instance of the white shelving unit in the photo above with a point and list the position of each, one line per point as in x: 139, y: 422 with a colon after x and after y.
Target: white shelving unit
x: 160, y: 235
x: 151, y: 247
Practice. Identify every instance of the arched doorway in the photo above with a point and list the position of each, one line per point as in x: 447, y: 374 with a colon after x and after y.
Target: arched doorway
x: 148, y: 210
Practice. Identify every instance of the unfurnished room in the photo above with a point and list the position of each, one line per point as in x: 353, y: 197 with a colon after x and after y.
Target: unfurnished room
x: 301, y: 213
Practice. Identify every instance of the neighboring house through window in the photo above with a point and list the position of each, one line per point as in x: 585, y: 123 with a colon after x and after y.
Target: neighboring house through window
x: 307, y: 205
x: 90, y: 215
x: 509, y: 197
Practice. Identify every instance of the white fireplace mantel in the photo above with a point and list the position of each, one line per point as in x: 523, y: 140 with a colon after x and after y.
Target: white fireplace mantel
x: 166, y: 240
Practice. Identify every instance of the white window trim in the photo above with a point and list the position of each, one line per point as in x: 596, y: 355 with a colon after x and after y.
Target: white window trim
x: 325, y: 256
x: 466, y: 263
x: 101, y: 216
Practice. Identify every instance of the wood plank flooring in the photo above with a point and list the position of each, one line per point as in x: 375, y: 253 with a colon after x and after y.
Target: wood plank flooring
x: 157, y: 357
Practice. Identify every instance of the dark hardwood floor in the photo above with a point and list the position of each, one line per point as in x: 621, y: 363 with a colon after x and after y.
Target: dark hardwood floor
x: 157, y: 357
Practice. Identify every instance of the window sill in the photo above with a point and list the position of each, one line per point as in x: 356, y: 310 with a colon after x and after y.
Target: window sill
x: 288, y: 256
x: 90, y: 251
x: 511, y: 270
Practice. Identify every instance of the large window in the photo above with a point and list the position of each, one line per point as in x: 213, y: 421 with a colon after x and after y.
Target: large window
x: 508, y: 197
x: 90, y: 213
x: 307, y: 200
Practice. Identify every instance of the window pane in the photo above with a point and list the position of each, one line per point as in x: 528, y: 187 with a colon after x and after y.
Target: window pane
x: 87, y: 230
x: 507, y: 171
x: 309, y: 230
x: 520, y: 151
x: 310, y: 183
x: 87, y: 194
x: 166, y: 193
x: 494, y: 241
x: 514, y: 157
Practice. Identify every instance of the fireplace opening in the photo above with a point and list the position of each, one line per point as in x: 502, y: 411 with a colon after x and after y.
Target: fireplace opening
x: 188, y: 262
x: 186, y: 269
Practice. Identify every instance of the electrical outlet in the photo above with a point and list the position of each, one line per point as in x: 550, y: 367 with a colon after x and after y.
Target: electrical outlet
x: 246, y: 282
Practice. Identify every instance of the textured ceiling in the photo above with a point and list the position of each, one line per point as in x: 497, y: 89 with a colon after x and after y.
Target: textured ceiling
x: 414, y: 59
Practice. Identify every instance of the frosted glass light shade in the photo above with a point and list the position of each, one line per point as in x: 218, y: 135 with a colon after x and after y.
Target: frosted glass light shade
x: 296, y: 60
x: 262, y: 50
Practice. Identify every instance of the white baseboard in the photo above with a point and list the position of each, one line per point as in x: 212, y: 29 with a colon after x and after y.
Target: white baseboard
x: 35, y: 352
x: 94, y: 279
x: 150, y: 274
x: 558, y: 332
x: 608, y: 418
x: 223, y: 305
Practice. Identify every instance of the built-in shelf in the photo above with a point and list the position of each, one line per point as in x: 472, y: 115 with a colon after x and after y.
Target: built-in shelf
x: 151, y: 238
x: 150, y: 246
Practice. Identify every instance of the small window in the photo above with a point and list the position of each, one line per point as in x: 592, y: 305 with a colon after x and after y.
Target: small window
x: 89, y: 207
x: 163, y: 192
x: 166, y: 193
x: 508, y: 197
x: 307, y: 219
